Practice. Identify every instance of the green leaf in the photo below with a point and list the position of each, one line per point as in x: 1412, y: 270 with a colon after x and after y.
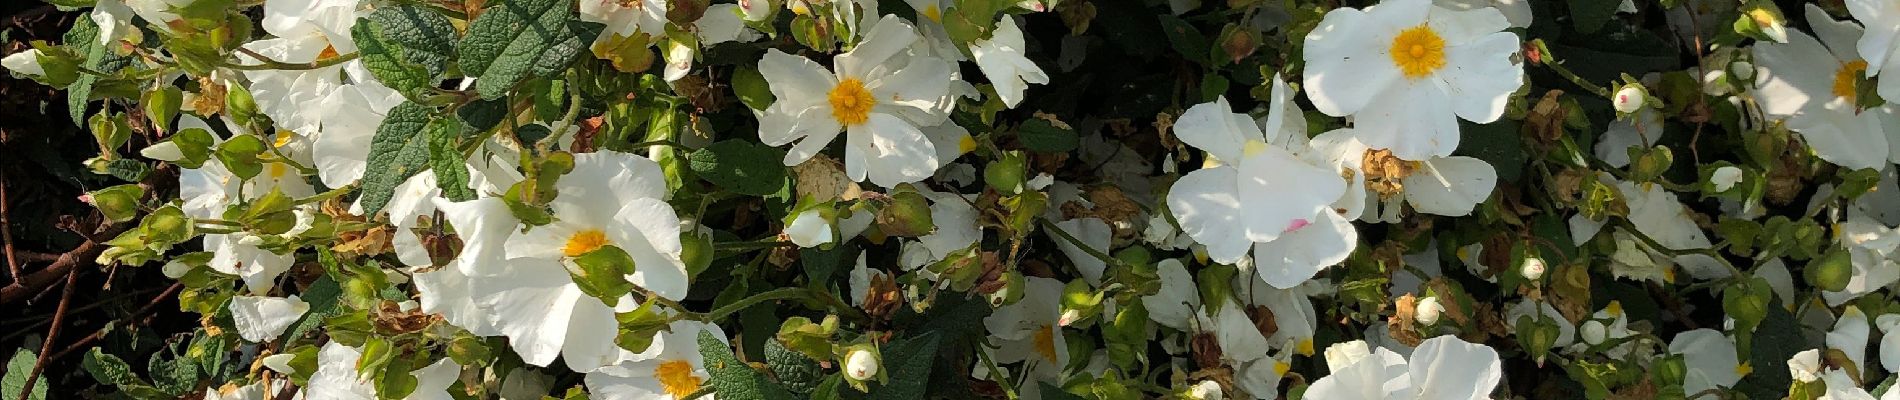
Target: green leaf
x: 482, y: 115
x: 751, y: 87
x: 1589, y: 15
x: 798, y: 373
x: 1771, y: 345
x: 1051, y: 392
x: 741, y: 167
x: 173, y: 370
x: 84, y: 40
x: 1186, y: 39
x: 1498, y: 144
x: 109, y: 369
x: 400, y: 150
x: 602, y: 273
x: 323, y: 296
x: 447, y: 162
x: 519, y: 39
x: 1043, y: 136
x: 240, y: 155
x: 14, y: 381
x: 908, y: 363
x: 407, y: 47
x: 732, y: 379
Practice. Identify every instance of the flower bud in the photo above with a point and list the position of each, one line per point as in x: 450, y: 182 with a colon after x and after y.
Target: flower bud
x: 1593, y: 332
x: 175, y: 269
x: 860, y: 365
x: 1629, y: 99
x: 1206, y: 390
x: 1830, y: 272
x: 1725, y: 178
x: 1006, y: 174
x: 1428, y: 311
x: 280, y: 363
x: 757, y: 10
x: 1533, y: 268
x: 24, y: 63
x: 1742, y: 70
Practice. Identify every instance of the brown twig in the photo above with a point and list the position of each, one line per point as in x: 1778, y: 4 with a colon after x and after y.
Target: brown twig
x: 6, y: 230
x: 52, y: 335
x: 141, y: 317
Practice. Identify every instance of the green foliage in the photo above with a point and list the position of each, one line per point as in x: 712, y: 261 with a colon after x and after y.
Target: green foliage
x: 740, y: 167
x: 518, y: 39
x: 407, y: 47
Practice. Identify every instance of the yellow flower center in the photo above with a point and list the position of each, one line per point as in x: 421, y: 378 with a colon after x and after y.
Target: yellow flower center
x: 1280, y: 368
x: 1046, y: 343
x: 1845, y: 77
x: 1253, y: 147
x: 1305, y: 346
x: 1418, y: 51
x: 584, y: 242
x: 850, y: 102
x: 277, y: 170
x: 1744, y: 369
x: 677, y: 378
x: 966, y: 144
x: 933, y: 13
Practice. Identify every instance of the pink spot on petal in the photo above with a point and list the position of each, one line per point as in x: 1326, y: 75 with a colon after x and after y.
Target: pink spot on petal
x: 1296, y: 225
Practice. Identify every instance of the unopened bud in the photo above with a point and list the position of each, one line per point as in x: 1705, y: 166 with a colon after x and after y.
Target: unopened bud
x: 1428, y: 311
x: 1593, y: 332
x: 1206, y: 390
x: 1629, y: 99
x: 860, y: 365
x: 1533, y: 268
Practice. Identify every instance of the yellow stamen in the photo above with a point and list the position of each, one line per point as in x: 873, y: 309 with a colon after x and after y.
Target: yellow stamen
x: 677, y: 378
x: 1046, y: 343
x: 966, y: 144
x: 283, y: 138
x: 1305, y: 347
x: 584, y: 242
x: 1845, y: 77
x: 1744, y: 369
x: 1280, y: 368
x: 1615, y: 309
x: 1253, y: 147
x: 277, y: 170
x: 933, y: 13
x: 850, y: 102
x: 1418, y: 51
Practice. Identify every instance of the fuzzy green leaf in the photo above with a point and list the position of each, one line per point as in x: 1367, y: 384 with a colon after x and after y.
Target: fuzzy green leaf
x: 733, y: 379
x: 741, y: 167
x: 407, y: 47
x: 400, y: 150
x: 519, y: 39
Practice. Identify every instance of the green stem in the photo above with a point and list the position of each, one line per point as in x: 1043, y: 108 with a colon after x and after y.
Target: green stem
x: 333, y: 193
x: 996, y: 374
x: 265, y: 63
x: 1555, y: 66
x: 742, y: 247
x: 1653, y: 244
x: 567, y: 121
x: 1098, y: 254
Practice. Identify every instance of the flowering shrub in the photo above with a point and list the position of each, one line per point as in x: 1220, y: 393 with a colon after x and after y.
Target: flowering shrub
x: 1040, y: 199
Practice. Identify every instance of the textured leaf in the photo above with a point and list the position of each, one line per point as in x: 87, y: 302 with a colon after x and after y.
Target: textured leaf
x: 407, y: 47
x: 445, y: 158
x: 908, y: 363
x: 1040, y: 135
x: 1186, y: 39
x: 482, y: 115
x: 14, y: 381
x: 1773, y: 343
x: 741, y: 167
x: 84, y: 40
x: 519, y: 39
x: 821, y: 265
x: 400, y: 150
x: 732, y: 379
x: 108, y: 369
x: 798, y: 373
x: 322, y: 295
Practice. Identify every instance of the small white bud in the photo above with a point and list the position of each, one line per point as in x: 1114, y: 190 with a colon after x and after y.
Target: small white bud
x: 1206, y: 390
x: 1725, y: 178
x: 860, y: 365
x: 174, y: 269
x: 1428, y: 311
x: 1629, y: 99
x: 1593, y: 332
x: 25, y: 62
x: 1742, y: 70
x: 1068, y: 317
x: 1533, y: 268
x: 163, y: 151
x: 280, y: 363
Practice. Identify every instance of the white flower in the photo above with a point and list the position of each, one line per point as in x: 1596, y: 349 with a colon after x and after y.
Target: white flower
x: 484, y: 226
x: 24, y: 63
x: 1711, y: 359
x: 1002, y: 58
x: 860, y: 365
x: 1805, y: 366
x: 262, y: 318
x: 1094, y: 233
x: 1881, y: 42
x: 1028, y: 331
x: 1175, y: 304
x: 280, y: 363
x: 347, y: 121
x: 1262, y: 198
x: 1820, y: 102
x: 1850, y: 336
x: 1407, y: 70
x: 1644, y: 129
x: 809, y: 229
x: 254, y: 391
x: 114, y: 19
x: 303, y: 31
x: 1725, y: 178
x: 336, y: 377
x: 880, y: 94
x: 1427, y: 311
x: 670, y: 369
x: 1516, y: 11
x: 1889, y: 325
x: 612, y: 199
x: 956, y: 229
x: 724, y: 23
x: 1240, y: 340
x: 1292, y: 311
x: 1442, y: 368
x: 544, y: 314
x: 257, y: 267
x: 1449, y: 186
x: 626, y: 18
x: 1608, y: 324
x: 860, y: 281
x: 446, y: 292
x: 1629, y: 99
